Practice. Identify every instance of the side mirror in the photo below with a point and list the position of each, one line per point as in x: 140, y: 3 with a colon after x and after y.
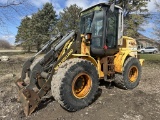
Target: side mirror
x: 112, y: 7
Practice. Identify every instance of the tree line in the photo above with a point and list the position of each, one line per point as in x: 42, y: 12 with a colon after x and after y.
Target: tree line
x: 34, y: 31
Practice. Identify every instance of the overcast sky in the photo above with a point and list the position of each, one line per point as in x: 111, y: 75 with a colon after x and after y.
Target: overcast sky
x: 10, y: 29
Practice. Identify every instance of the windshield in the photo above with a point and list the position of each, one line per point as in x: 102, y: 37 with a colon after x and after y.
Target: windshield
x: 92, y: 22
x: 85, y: 24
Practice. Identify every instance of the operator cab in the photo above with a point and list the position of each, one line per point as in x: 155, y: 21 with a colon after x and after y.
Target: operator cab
x: 105, y: 26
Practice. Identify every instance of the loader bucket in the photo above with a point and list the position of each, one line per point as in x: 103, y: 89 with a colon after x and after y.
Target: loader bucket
x: 28, y: 98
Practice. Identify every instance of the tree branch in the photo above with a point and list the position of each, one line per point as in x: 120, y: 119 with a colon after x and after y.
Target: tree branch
x: 11, y: 4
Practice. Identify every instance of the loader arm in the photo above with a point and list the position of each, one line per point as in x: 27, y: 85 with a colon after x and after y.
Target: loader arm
x: 43, y: 69
x: 28, y: 63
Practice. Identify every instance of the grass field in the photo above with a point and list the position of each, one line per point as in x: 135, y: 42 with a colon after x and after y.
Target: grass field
x: 150, y: 57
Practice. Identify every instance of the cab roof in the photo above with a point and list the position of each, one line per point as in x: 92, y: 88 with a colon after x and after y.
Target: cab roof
x: 100, y: 4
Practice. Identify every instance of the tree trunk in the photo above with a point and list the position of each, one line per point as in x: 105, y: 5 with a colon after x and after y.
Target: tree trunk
x: 38, y: 47
x: 29, y: 49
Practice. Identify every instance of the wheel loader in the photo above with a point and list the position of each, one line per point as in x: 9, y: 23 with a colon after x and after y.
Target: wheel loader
x: 77, y: 61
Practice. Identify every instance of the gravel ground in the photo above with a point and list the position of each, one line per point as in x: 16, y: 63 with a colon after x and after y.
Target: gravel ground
x: 141, y: 103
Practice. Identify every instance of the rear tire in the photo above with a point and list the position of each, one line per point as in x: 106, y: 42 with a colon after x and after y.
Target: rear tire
x: 142, y: 51
x: 75, y: 84
x: 154, y: 52
x: 131, y: 74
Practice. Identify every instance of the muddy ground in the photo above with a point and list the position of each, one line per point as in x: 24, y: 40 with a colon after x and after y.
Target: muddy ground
x: 141, y: 103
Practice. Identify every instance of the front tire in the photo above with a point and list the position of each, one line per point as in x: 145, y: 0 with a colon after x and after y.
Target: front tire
x: 131, y: 74
x: 75, y: 84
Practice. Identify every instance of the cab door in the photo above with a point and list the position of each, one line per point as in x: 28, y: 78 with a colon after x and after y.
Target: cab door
x: 112, y: 29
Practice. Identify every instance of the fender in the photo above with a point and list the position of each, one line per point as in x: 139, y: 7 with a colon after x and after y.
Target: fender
x: 87, y: 57
x: 119, y: 60
x: 97, y: 63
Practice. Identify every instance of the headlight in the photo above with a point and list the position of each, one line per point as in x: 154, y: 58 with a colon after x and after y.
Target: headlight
x: 88, y: 36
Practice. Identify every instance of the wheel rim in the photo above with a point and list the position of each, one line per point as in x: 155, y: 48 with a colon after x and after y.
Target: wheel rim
x: 133, y: 73
x: 81, y: 85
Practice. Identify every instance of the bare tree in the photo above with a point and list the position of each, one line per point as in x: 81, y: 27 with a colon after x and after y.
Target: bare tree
x: 157, y: 4
x: 9, y: 3
x: 11, y: 11
x: 4, y: 44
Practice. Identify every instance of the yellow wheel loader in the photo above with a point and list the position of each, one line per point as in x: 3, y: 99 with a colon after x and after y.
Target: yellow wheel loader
x: 76, y: 62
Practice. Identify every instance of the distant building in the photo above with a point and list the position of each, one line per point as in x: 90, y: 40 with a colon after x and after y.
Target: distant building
x: 144, y: 41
